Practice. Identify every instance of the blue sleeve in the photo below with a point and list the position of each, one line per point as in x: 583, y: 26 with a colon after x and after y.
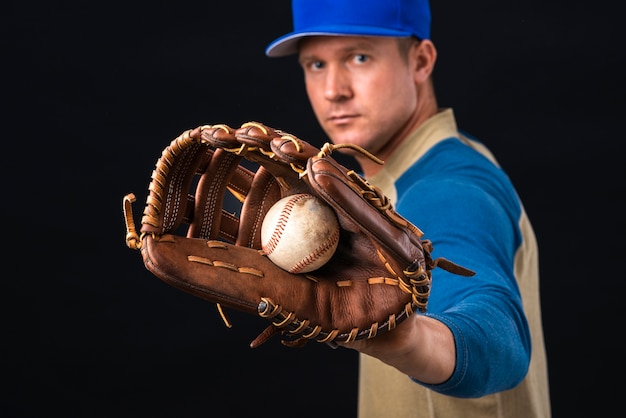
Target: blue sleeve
x: 472, y: 219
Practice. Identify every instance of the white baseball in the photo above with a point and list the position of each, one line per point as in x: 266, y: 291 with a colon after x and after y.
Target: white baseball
x: 300, y: 233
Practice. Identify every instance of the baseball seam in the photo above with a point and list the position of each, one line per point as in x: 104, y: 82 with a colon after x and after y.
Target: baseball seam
x: 317, y: 253
x: 281, y: 224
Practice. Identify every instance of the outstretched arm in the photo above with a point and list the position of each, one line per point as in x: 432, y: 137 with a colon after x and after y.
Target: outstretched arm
x: 421, y: 347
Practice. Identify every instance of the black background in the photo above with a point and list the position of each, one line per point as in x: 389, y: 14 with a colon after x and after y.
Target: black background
x: 92, y: 92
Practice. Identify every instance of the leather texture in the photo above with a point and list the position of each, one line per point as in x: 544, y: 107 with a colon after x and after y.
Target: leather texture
x: 379, y: 275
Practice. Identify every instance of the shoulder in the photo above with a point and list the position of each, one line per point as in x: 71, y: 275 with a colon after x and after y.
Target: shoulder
x: 453, y: 188
x: 457, y: 171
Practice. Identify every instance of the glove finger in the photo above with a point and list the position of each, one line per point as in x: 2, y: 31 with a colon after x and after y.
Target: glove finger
x: 209, y: 194
x: 362, y: 207
x: 167, y: 209
x: 264, y: 192
x: 265, y: 149
x: 221, y: 173
x: 293, y: 151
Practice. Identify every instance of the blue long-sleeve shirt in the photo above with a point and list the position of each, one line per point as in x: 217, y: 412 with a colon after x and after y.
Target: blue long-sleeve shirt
x: 451, y: 187
x: 468, y: 208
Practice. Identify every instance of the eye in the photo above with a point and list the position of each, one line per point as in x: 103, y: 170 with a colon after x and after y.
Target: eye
x: 313, y: 65
x: 361, y: 58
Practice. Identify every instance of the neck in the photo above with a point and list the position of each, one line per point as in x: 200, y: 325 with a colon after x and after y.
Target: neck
x: 426, y: 107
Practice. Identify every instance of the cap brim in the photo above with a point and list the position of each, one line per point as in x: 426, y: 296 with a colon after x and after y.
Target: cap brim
x: 288, y: 44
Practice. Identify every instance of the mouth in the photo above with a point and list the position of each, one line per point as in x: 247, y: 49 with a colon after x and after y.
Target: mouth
x: 341, y: 119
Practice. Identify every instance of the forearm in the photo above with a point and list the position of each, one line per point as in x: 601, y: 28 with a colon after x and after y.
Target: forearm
x: 420, y: 347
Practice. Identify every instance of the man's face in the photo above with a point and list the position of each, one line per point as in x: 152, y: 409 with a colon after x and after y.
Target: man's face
x: 361, y: 89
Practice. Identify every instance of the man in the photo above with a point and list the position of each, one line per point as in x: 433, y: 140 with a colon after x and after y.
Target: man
x: 478, y: 351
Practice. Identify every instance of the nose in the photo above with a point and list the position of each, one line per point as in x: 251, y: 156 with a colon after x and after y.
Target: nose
x: 337, y: 84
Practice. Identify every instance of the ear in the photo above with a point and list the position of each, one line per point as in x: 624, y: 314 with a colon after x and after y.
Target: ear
x: 424, y: 55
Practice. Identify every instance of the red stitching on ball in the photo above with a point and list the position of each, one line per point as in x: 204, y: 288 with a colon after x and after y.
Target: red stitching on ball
x: 285, y: 213
x: 317, y: 253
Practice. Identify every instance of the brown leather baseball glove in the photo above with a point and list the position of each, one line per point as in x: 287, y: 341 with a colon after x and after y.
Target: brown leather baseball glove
x: 379, y: 275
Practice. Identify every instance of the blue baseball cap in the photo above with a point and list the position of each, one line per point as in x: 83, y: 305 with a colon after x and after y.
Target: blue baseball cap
x: 397, y: 18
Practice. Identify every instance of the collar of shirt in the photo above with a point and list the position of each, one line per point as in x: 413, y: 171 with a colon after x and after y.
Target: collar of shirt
x: 435, y: 129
